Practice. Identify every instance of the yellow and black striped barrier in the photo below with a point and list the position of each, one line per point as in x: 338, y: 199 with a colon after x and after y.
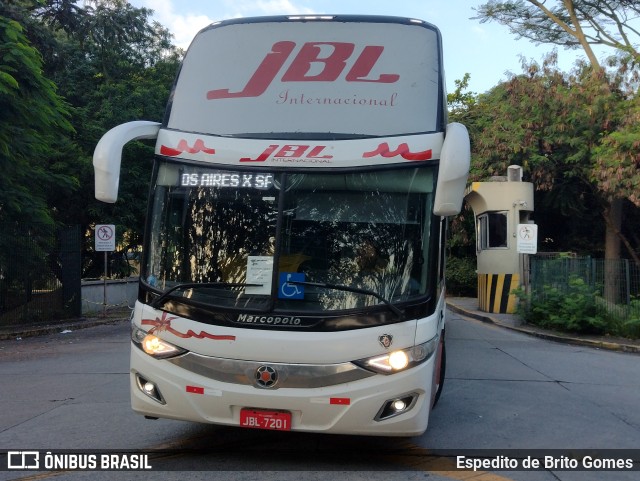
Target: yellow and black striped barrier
x: 494, y: 292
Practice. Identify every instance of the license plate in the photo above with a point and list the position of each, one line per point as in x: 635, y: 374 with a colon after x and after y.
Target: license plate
x: 261, y: 419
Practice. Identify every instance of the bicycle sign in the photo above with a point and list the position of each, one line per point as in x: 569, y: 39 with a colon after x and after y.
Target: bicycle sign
x: 105, y: 235
x: 290, y: 291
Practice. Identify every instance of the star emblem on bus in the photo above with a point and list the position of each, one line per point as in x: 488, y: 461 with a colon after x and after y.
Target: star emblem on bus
x: 266, y: 377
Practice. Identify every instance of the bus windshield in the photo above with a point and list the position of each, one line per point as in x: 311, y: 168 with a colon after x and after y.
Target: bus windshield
x: 289, y: 241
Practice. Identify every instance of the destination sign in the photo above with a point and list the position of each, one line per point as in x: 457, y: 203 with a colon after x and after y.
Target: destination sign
x: 227, y: 180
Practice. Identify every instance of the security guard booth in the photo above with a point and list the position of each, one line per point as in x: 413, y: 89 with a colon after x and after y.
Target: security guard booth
x: 500, y: 206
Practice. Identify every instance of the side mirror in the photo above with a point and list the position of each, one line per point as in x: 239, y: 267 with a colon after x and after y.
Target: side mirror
x: 107, y: 155
x: 455, y: 160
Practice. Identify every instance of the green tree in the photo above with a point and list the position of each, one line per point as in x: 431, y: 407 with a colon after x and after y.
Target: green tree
x: 110, y: 63
x: 34, y: 127
x: 539, y: 120
x: 461, y: 101
x: 574, y: 24
x: 33, y: 123
x: 133, y: 65
x: 583, y: 24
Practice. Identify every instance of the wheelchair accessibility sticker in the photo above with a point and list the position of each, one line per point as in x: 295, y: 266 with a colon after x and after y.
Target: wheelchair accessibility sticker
x: 290, y: 291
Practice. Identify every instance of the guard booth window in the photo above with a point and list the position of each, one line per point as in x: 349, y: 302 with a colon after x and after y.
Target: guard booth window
x: 491, y: 231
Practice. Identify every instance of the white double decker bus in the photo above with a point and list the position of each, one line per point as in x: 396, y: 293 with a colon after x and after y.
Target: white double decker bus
x: 293, y: 267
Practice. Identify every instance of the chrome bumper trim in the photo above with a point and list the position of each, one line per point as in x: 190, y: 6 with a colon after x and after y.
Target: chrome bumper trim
x: 299, y: 376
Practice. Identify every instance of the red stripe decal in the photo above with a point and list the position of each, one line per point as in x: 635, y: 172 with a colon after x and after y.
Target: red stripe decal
x: 403, y: 150
x: 183, y: 146
x: 164, y: 325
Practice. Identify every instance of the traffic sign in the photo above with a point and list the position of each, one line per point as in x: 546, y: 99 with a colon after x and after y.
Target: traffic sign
x: 527, y: 239
x: 105, y: 236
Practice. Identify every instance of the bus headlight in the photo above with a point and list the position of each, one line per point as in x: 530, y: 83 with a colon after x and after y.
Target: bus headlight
x: 400, y: 360
x: 154, y: 346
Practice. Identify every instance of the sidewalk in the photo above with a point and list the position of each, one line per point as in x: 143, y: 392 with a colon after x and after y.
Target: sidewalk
x: 468, y: 307
x: 21, y: 331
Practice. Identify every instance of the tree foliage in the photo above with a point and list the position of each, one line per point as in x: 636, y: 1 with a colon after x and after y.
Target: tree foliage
x: 601, y: 153
x: 613, y: 88
x: 554, y: 124
x: 33, y: 122
x: 93, y: 65
x: 570, y: 23
x: 72, y: 70
x: 617, y: 156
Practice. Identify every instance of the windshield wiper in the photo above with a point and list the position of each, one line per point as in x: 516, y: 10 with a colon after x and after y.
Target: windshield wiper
x: 355, y: 290
x: 192, y: 285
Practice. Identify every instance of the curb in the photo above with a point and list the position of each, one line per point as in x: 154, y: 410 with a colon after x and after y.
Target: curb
x: 550, y: 336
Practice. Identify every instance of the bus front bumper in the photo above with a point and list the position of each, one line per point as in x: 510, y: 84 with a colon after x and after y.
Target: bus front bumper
x: 380, y: 405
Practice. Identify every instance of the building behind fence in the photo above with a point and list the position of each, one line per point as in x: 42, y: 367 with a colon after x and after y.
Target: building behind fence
x: 614, y: 283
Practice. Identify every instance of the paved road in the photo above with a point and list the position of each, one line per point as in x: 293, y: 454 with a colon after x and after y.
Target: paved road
x: 504, y: 391
x: 534, y: 393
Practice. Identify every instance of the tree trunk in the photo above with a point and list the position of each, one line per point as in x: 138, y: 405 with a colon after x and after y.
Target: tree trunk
x: 613, y: 218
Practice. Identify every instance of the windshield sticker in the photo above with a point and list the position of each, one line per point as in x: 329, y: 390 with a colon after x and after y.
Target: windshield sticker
x: 289, y: 290
x: 259, y: 273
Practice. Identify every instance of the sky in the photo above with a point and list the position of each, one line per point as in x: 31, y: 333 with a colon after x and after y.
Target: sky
x: 487, y: 51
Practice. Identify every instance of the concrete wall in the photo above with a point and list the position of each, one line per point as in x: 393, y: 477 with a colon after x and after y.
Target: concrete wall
x: 119, y: 293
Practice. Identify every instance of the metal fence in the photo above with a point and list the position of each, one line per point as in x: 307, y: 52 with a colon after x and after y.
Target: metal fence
x: 39, y: 274
x: 613, y: 284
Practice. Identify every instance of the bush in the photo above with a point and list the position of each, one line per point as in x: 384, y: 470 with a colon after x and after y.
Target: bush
x: 462, y: 277
x: 630, y: 327
x: 573, y: 308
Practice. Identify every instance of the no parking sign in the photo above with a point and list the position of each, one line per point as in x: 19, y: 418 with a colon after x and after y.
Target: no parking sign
x: 105, y: 236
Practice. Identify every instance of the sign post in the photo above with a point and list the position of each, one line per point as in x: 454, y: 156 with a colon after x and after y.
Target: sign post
x: 105, y: 241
